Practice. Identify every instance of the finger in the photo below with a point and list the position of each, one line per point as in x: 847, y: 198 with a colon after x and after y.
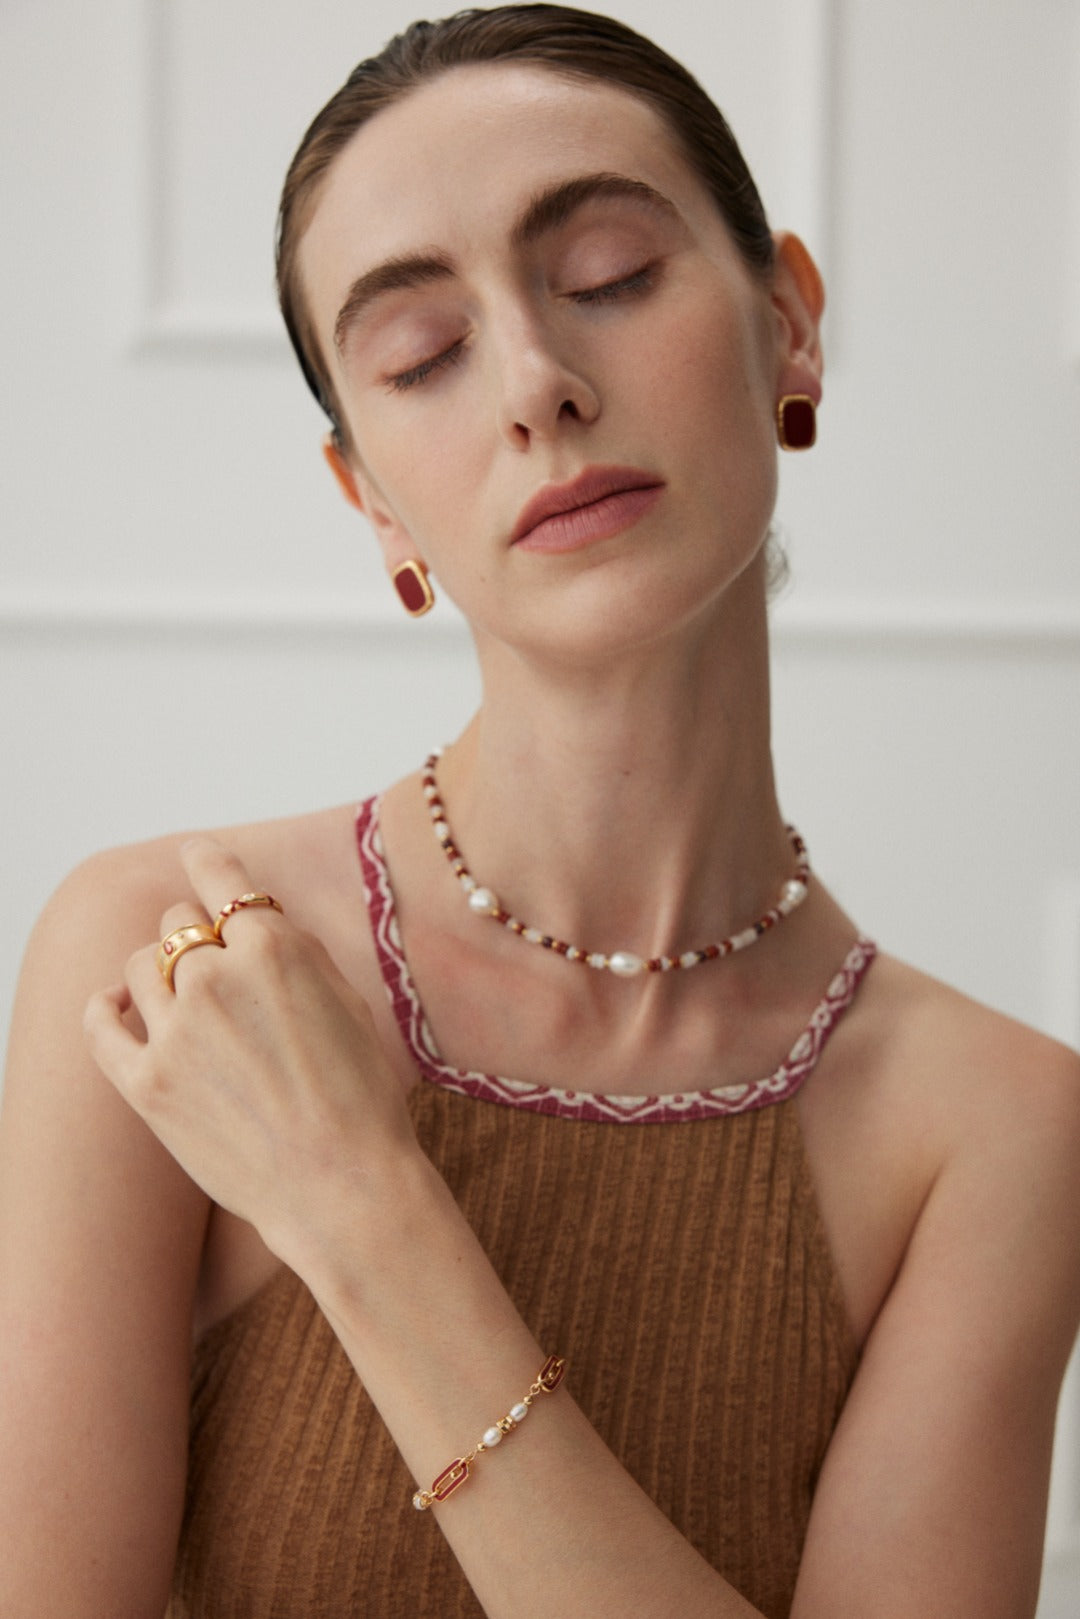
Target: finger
x: 182, y: 915
x: 223, y: 882
x: 112, y: 1045
x: 152, y: 994
x: 330, y: 970
x: 184, y: 928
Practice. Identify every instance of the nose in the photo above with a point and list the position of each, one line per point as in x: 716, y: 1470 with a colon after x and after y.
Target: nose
x: 541, y: 388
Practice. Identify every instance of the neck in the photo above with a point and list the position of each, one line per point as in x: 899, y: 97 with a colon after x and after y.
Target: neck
x: 631, y: 806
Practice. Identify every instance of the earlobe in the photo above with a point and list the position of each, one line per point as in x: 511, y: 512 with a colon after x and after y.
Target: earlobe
x: 343, y: 473
x: 408, y: 573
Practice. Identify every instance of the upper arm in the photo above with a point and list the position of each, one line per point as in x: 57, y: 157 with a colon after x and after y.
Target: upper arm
x: 933, y: 1494
x: 100, y: 1237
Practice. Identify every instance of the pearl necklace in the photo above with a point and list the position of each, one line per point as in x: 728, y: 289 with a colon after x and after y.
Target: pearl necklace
x: 483, y: 902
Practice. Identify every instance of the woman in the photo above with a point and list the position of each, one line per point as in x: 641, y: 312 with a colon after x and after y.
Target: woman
x: 799, y: 1225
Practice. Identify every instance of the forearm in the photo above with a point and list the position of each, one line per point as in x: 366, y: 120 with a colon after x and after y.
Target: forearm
x: 549, y: 1523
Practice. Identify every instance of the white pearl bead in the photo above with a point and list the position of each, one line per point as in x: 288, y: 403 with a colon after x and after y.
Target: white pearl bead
x: 794, y: 891
x: 492, y: 1437
x: 417, y: 1502
x: 441, y: 829
x: 468, y: 883
x: 689, y: 959
x: 625, y: 963
x: 596, y: 960
x: 483, y: 902
x: 741, y: 940
x: 532, y: 935
x: 519, y: 1412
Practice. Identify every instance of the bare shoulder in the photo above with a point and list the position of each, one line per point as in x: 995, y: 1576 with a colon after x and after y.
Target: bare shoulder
x: 61, y: 1120
x: 934, y: 1110
x: 945, y: 1150
x: 971, y: 1068
x: 115, y: 897
x: 1001, y: 1104
x: 135, y: 882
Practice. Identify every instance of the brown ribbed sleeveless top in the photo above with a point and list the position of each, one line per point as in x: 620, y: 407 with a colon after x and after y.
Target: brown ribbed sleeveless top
x: 670, y: 1246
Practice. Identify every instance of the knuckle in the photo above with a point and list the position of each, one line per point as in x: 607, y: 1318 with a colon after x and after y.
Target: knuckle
x: 272, y: 944
x: 197, y: 982
x: 91, y: 1018
x: 309, y: 945
x: 176, y: 916
x: 138, y: 963
x: 150, y: 1087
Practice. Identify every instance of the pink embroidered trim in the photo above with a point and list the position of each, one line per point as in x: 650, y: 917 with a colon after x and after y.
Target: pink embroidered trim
x: 722, y: 1102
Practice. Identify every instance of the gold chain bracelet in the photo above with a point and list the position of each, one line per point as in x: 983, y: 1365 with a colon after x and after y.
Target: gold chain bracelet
x: 452, y: 1477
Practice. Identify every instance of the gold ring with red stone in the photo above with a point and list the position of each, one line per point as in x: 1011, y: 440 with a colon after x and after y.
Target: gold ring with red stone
x: 242, y: 904
x: 174, y: 944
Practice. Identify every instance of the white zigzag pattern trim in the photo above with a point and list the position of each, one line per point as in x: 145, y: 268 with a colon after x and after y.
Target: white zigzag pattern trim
x: 723, y: 1101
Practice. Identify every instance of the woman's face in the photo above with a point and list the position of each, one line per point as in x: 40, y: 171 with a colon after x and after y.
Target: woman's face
x: 519, y: 284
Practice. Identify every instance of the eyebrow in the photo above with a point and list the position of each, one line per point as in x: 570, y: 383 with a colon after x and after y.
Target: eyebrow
x: 544, y: 213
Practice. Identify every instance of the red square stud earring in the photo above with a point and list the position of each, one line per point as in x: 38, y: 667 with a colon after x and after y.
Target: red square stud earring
x: 796, y: 422
x: 410, y: 580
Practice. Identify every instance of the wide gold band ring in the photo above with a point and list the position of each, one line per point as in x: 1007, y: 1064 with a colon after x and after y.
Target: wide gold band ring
x: 174, y: 944
x: 242, y: 904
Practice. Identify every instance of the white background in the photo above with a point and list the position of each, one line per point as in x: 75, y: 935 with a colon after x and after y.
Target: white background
x: 194, y: 629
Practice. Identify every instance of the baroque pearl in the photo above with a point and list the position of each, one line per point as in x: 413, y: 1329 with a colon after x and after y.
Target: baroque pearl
x: 624, y: 963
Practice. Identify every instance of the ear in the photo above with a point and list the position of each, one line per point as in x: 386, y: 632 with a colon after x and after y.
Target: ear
x: 798, y: 300
x: 359, y: 490
x: 343, y: 472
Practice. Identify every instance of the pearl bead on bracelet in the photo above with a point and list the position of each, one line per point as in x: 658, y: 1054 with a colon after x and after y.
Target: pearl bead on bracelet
x: 453, y: 1477
x: 623, y: 963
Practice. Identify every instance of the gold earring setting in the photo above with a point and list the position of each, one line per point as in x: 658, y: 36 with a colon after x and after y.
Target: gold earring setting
x: 410, y: 580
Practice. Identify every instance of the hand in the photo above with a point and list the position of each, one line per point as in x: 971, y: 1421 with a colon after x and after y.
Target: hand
x: 262, y: 1074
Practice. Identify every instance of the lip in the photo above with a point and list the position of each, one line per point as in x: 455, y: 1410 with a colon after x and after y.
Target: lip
x: 591, y: 487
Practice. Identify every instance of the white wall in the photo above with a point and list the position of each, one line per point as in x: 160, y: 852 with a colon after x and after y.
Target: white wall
x: 194, y: 629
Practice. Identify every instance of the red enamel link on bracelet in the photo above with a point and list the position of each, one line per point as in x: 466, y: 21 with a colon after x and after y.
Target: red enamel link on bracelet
x: 453, y: 1476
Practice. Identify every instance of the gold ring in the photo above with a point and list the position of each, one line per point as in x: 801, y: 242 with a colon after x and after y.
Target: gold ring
x: 174, y: 944
x: 242, y: 904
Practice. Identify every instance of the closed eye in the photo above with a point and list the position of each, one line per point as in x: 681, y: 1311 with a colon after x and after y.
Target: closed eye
x: 419, y: 373
x: 611, y: 291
